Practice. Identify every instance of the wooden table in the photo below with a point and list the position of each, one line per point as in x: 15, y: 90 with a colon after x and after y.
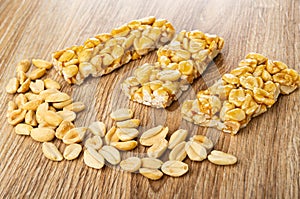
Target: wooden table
x: 268, y: 149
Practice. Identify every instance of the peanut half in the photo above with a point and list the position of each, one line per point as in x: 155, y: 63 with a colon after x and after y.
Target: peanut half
x: 122, y: 114
x: 221, y: 158
x: 151, y: 163
x: 93, y: 159
x: 98, y: 128
x: 72, y: 151
x: 174, y: 168
x: 152, y: 174
x: 195, y: 151
x: 110, y: 154
x: 131, y: 164
x: 51, y: 152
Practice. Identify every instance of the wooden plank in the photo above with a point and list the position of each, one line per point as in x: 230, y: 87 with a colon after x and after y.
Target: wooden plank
x: 267, y: 149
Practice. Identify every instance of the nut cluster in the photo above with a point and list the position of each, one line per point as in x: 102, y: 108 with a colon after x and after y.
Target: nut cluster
x: 105, y: 146
x: 119, y: 137
x: 246, y: 92
x: 179, y: 63
x: 106, y: 52
x: 42, y: 111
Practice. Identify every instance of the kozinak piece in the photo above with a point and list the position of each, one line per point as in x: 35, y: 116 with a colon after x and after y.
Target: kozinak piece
x: 246, y: 92
x: 106, y: 52
x: 179, y: 63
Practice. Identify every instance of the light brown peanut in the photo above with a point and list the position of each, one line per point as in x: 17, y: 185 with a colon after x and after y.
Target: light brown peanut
x: 74, y: 135
x: 122, y: 114
x: 203, y: 140
x: 24, y: 87
x: 57, y: 97
x: 42, y: 134
x: 32, y: 96
x: 195, y: 151
x: 111, y: 135
x: 95, y: 161
x: 21, y: 100
x: 30, y: 118
x: 125, y: 146
x: 174, y: 168
x: 32, y: 105
x: 62, y: 105
x: 23, y: 129
x: 12, y: 86
x: 110, y: 154
x: 11, y: 106
x: 126, y: 134
x: 39, y: 63
x: 37, y: 86
x: 158, y: 148
x: 178, y: 152
x: 45, y: 93
x: 41, y: 109
x: 132, y: 123
x: 23, y: 65
x: 51, y: 84
x: 16, y: 116
x: 221, y: 158
x: 51, y: 152
x: 75, y: 106
x: 149, y: 137
x: 131, y: 164
x: 46, y: 125
x: 94, y: 142
x: 98, y: 128
x: 52, y: 118
x: 67, y: 115
x: 152, y: 174
x: 37, y: 73
x: 151, y: 163
x: 177, y: 137
x: 72, y: 151
x: 21, y: 76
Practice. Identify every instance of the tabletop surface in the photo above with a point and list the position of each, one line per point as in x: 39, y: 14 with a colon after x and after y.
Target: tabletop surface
x: 268, y: 149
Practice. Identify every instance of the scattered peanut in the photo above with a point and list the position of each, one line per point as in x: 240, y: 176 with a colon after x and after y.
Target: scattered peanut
x: 95, y: 161
x: 42, y: 134
x: 126, y: 134
x: 39, y: 63
x: 51, y: 152
x: 23, y: 129
x: 122, y: 114
x: 195, y: 151
x: 98, y: 128
x: 151, y: 163
x: 110, y: 154
x: 174, y: 168
x: 72, y: 151
x: 74, y: 135
x: 12, y: 86
x: 94, y: 142
x: 177, y: 137
x: 178, y: 152
x: 152, y: 174
x: 221, y: 158
x: 125, y: 146
x: 131, y: 164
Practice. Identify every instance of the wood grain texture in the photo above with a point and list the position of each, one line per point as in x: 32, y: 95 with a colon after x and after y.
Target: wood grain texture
x: 268, y: 149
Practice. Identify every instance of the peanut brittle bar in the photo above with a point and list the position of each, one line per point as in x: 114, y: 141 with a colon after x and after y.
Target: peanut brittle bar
x: 106, y: 52
x: 179, y: 63
x: 246, y: 92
